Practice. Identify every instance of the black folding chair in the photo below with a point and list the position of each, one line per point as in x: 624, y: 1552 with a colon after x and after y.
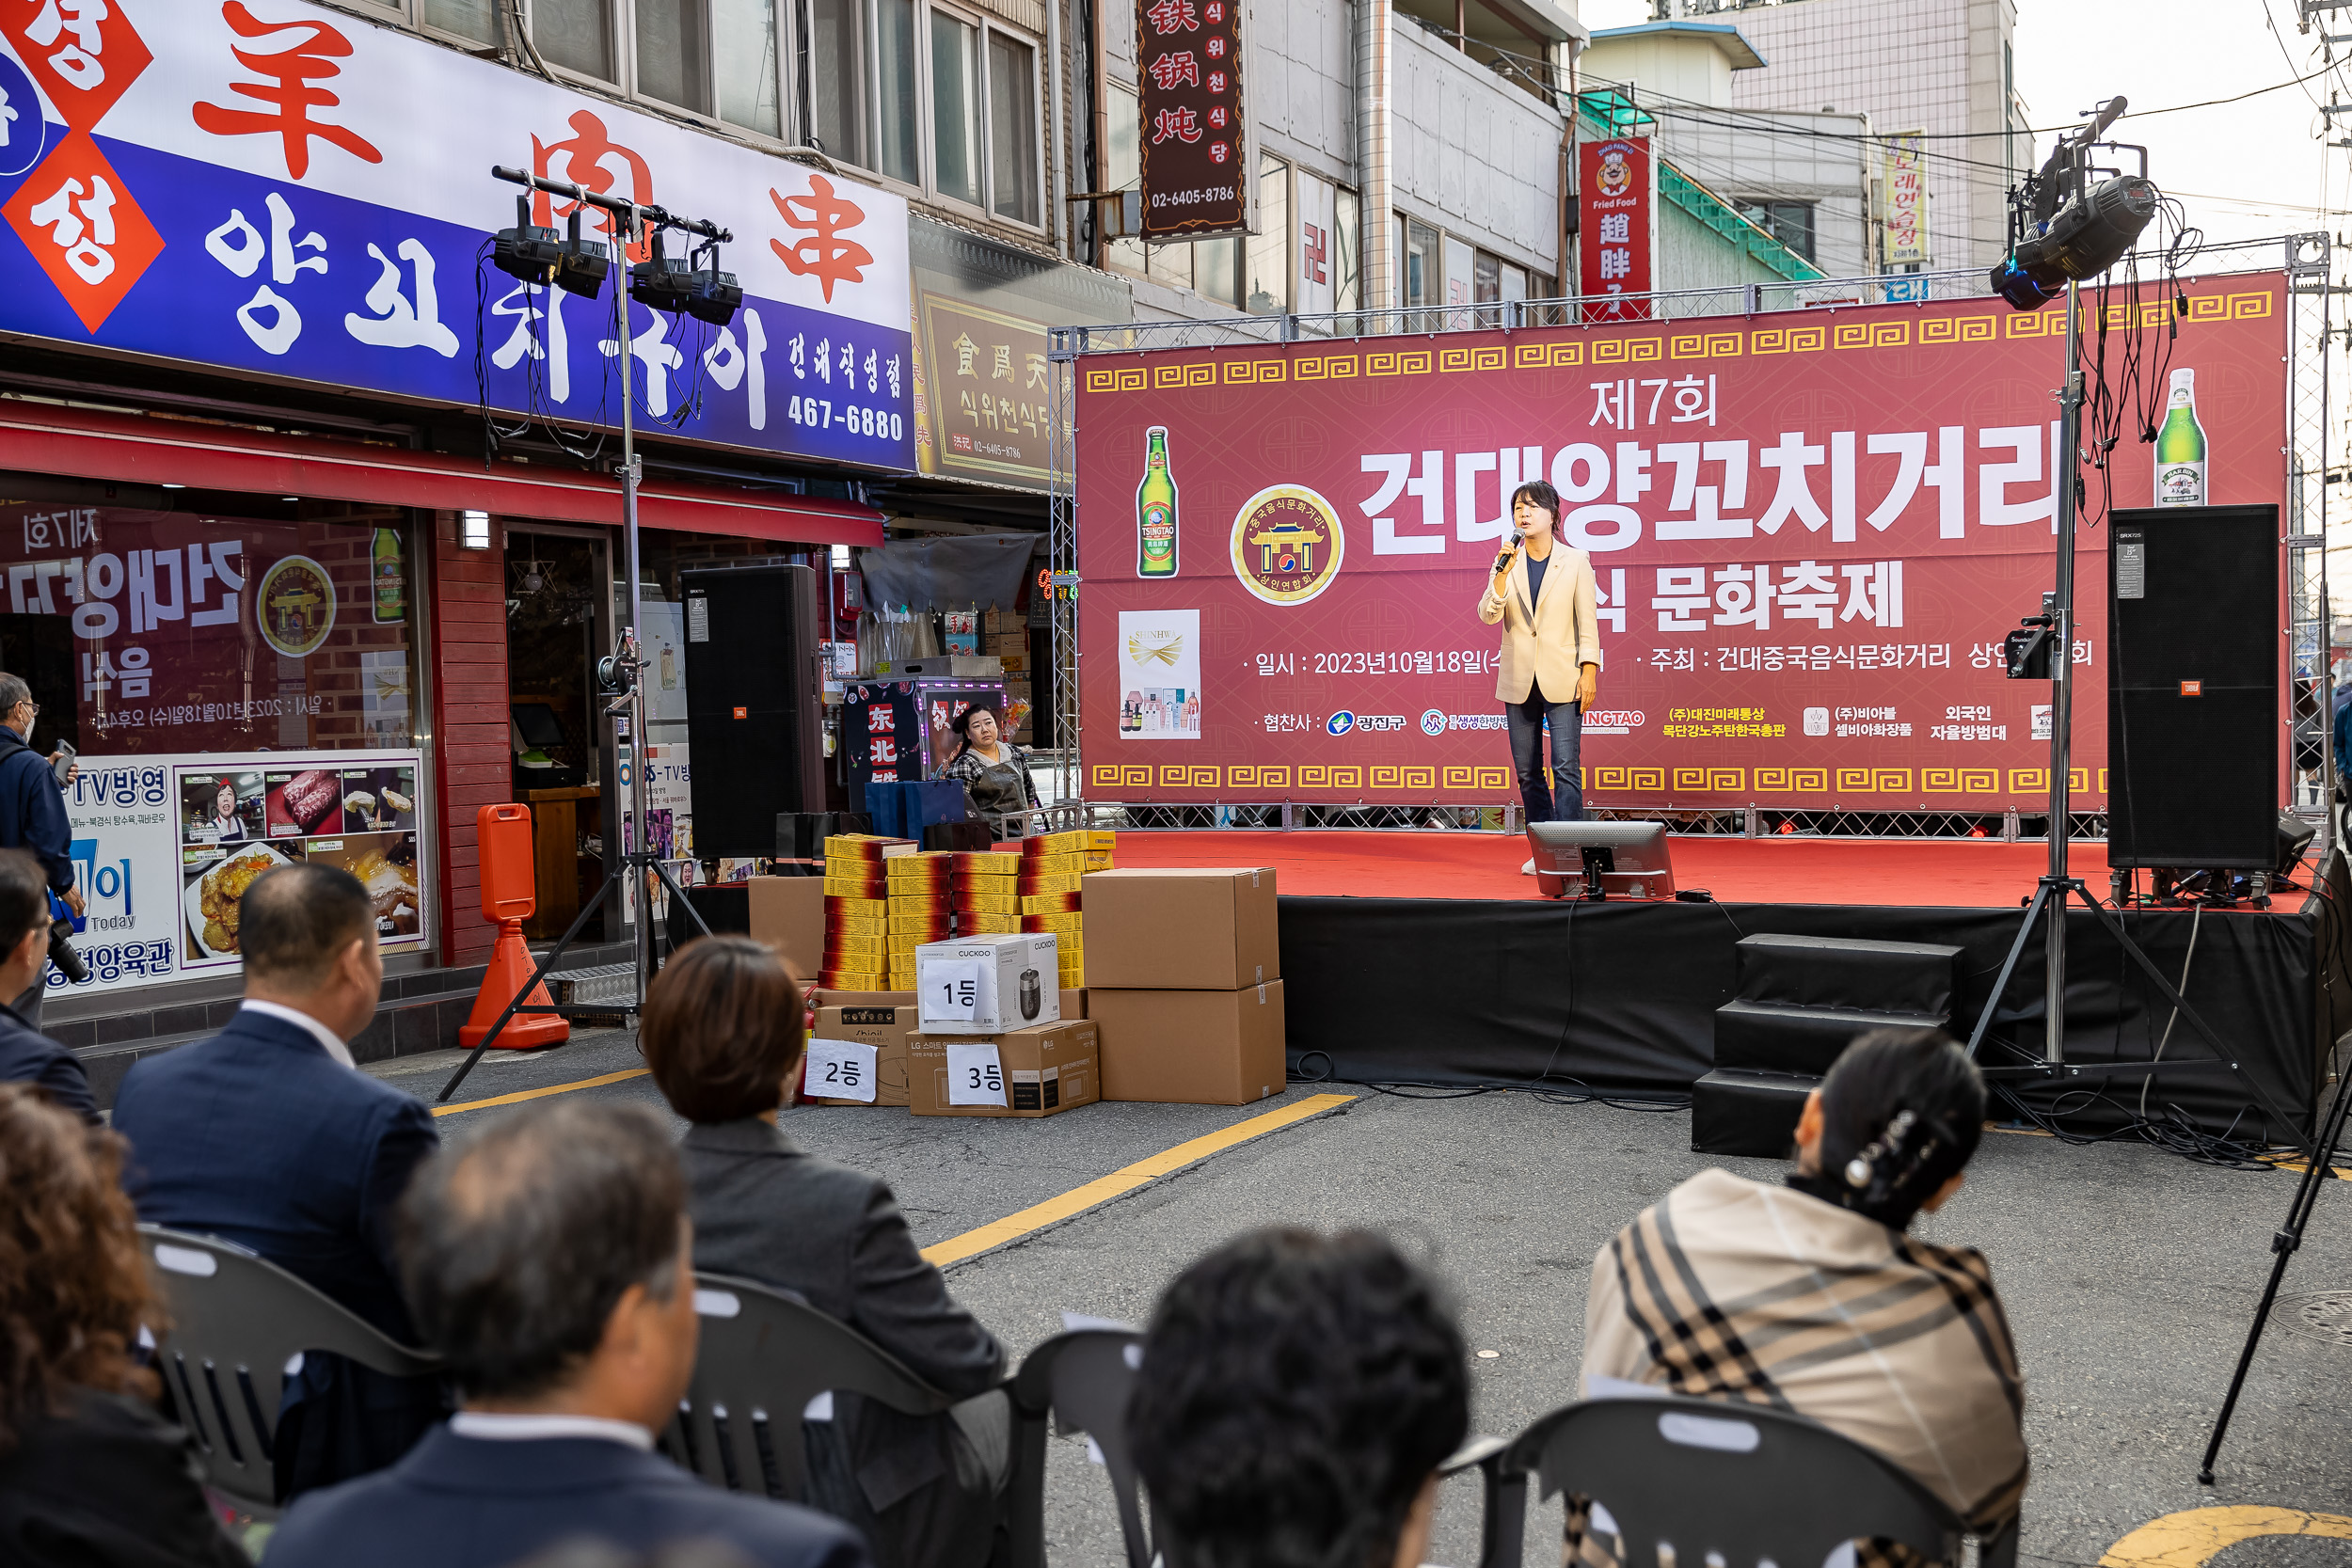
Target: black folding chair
x: 237, y: 1326
x: 765, y: 1355
x: 1694, y: 1482
x: 1079, y: 1381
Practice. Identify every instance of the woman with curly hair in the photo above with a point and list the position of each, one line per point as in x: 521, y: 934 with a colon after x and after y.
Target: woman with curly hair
x: 90, y: 1476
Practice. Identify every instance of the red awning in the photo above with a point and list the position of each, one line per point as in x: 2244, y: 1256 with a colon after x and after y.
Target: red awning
x: 131, y: 449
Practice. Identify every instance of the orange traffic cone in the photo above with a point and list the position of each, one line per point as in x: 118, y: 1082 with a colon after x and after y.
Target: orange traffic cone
x: 508, y: 897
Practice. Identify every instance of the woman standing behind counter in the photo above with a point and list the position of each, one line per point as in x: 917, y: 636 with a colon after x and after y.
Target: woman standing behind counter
x: 997, y: 789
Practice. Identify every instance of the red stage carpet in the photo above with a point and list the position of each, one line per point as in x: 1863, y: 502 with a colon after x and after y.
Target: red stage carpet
x: 1948, y: 873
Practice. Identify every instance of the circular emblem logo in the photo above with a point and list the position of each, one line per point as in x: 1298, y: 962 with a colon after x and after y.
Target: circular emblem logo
x: 29, y: 133
x: 1287, y: 545
x: 1339, y: 722
x: 296, y: 606
x: 1432, y: 722
x: 1616, y: 177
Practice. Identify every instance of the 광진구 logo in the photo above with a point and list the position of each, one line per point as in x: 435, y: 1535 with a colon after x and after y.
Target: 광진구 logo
x: 1339, y: 722
x: 1287, y: 545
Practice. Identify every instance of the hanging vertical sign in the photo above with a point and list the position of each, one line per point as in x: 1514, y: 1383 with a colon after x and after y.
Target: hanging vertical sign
x: 1189, y: 87
x: 1903, y: 198
x: 1616, y: 232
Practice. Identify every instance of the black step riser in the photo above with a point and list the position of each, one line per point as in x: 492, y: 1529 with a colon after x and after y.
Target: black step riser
x: 1736, y: 1113
x: 1762, y: 1037
x: 1833, y: 971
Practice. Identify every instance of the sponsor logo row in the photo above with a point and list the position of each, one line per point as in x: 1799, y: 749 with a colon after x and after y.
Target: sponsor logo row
x: 1436, y: 722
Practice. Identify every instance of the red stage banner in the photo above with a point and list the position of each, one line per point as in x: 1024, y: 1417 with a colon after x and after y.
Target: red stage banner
x: 1616, y: 245
x: 1811, y: 531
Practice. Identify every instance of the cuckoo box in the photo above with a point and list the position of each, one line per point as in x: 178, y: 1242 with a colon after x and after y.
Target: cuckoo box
x: 984, y: 985
x: 883, y: 1030
x: 1020, y: 1072
x: 788, y: 914
x: 1191, y: 1047
x: 1181, y: 930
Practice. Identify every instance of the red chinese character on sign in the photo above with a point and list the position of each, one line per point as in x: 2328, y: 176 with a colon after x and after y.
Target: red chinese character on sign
x: 82, y: 226
x: 1173, y: 70
x: 84, y: 53
x: 822, y: 253
x: 1182, y: 124
x: 585, y: 155
x: 289, y: 92
x: 1170, y: 16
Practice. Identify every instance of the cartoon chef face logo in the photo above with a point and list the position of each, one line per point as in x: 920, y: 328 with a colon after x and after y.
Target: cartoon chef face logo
x: 1615, y: 175
x: 1287, y: 545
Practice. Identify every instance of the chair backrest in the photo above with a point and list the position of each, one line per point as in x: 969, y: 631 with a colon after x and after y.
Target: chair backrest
x: 764, y: 1357
x: 1738, y: 1484
x: 1081, y: 1381
x: 237, y: 1324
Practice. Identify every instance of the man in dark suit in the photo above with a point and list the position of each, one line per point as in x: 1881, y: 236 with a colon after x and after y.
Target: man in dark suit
x: 551, y: 1260
x: 26, y: 1055
x: 266, y: 1135
x: 32, y: 813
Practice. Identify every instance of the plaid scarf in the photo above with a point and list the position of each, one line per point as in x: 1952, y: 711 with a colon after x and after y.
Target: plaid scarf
x: 1737, y: 1290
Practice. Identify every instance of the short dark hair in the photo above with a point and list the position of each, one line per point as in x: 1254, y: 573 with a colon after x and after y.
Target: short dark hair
x: 296, y: 919
x: 516, y: 1245
x: 1540, y: 494
x: 24, y: 896
x: 12, y: 691
x: 722, y: 1029
x: 961, y: 722
x: 1877, y: 1078
x: 1298, y: 1391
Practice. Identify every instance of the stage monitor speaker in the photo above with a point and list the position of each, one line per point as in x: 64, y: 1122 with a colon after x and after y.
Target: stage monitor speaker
x: 755, y: 691
x: 2194, y: 655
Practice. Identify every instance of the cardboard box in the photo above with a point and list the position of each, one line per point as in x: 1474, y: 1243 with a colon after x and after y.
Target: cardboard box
x: 829, y: 996
x: 788, y: 914
x: 866, y: 846
x: 1181, y: 930
x: 1074, y: 841
x: 1073, y: 1003
x: 1002, y: 981
x: 1191, y: 1047
x: 1046, y: 1069
x: 886, y: 1028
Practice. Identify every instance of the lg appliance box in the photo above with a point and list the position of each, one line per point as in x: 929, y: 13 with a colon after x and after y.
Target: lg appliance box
x: 858, y: 1056
x: 985, y: 985
x: 1021, y: 1073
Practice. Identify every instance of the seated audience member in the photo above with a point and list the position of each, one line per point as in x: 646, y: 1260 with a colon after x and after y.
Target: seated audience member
x: 549, y: 1259
x: 721, y: 1033
x: 266, y: 1135
x: 1812, y: 1297
x: 90, y: 1477
x: 26, y: 1055
x: 1297, y: 1394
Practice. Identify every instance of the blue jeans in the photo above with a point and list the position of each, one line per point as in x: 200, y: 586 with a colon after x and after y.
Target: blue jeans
x: 1564, y: 802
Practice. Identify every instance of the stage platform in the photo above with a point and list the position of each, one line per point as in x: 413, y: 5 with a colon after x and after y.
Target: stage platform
x: 1425, y: 956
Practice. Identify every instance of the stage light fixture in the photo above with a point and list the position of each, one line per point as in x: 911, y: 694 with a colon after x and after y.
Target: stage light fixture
x: 584, y: 264
x: 713, y: 296
x: 2086, y: 236
x: 663, y: 282
x: 527, y: 252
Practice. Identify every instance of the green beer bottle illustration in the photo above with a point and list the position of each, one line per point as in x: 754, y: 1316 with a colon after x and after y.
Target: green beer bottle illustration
x: 1155, y: 511
x: 2181, y: 445
x: 391, y: 577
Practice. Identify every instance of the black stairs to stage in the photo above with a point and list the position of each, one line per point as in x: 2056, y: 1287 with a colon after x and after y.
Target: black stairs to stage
x: 1801, y: 1001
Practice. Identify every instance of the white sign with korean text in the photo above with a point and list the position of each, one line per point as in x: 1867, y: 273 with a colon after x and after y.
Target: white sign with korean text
x: 975, y: 1074
x: 839, y: 1069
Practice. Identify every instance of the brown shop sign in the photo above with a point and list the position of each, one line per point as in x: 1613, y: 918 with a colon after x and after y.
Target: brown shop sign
x: 1193, y: 163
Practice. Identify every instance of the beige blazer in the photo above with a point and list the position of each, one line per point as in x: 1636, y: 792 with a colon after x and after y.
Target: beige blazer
x: 1543, y: 642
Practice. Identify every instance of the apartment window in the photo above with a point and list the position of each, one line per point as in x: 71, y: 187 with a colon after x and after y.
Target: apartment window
x: 836, y: 102
x: 747, y: 65
x: 956, y: 107
x: 1485, y: 278
x: 1423, y: 273
x: 1790, y: 222
x: 1347, y: 247
x: 901, y: 146
x: 719, y: 59
x: 1012, y: 127
x: 1269, y: 251
x: 478, y: 20
x: 575, y: 35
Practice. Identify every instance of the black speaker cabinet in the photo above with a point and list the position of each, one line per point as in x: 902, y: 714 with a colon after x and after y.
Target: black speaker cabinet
x: 2194, y: 657
x: 754, y: 694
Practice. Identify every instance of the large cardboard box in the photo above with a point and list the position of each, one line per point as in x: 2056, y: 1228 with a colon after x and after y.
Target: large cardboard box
x: 837, y: 998
x: 1073, y: 1003
x: 788, y: 914
x: 886, y: 1028
x: 1043, y: 1071
x: 986, y: 984
x: 1191, y: 1047
x: 1181, y: 929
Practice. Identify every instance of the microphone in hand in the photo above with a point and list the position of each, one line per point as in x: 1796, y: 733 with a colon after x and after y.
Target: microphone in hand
x: 1502, y: 561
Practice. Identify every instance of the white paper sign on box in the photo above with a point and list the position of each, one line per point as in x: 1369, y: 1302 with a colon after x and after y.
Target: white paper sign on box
x: 957, y: 991
x: 1015, y: 983
x: 840, y: 1069
x: 974, y: 1075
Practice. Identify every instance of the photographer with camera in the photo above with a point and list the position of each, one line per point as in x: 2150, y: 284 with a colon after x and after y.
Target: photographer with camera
x: 27, y: 1056
x: 32, y: 817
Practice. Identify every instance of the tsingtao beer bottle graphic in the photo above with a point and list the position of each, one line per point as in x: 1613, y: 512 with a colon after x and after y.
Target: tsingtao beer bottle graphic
x: 2181, y: 445
x: 1155, y: 511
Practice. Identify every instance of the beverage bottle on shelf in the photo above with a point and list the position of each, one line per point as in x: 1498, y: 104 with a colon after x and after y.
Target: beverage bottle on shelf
x: 2181, y: 445
x: 1155, y: 511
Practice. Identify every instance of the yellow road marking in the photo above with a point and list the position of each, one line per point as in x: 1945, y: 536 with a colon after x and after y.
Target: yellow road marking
x: 2196, y: 1537
x: 1126, y: 1180
x: 521, y: 1095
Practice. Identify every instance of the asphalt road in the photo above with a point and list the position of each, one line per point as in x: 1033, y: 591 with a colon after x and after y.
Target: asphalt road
x: 2129, y: 1275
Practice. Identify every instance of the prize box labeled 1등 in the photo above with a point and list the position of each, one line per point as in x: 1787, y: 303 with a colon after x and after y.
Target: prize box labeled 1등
x: 986, y: 985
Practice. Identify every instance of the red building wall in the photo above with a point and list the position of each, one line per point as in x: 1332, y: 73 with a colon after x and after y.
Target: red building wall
x: 469, y: 722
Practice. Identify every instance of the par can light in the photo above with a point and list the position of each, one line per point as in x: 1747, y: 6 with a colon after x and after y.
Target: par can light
x: 527, y: 252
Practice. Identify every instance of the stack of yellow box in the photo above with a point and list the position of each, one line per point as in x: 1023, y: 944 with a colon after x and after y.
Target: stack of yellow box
x: 987, y: 893
x: 857, y: 927
x: 1052, y: 867
x: 921, y: 910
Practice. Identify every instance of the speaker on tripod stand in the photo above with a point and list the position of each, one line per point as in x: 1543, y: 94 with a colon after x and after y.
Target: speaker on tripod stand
x: 2194, y: 657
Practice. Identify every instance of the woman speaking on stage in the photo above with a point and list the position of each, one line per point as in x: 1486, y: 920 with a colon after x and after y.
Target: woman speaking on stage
x: 1542, y: 592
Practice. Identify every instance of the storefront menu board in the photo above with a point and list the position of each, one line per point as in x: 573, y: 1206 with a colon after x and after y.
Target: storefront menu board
x: 165, y: 847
